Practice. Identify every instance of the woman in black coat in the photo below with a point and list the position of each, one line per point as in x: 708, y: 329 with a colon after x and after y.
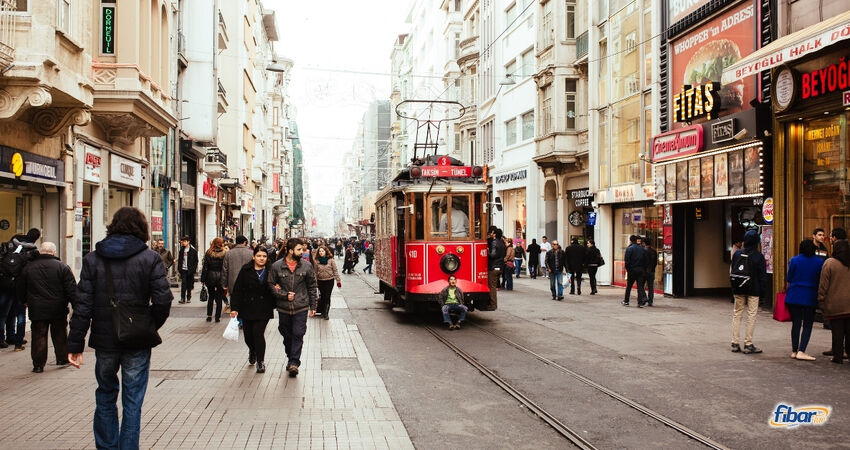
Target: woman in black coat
x: 252, y: 301
x: 592, y: 260
x: 211, y: 277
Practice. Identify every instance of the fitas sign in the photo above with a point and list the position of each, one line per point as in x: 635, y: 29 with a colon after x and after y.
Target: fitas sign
x: 693, y: 102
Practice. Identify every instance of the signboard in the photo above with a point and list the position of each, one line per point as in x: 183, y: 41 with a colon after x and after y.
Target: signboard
x: 32, y: 167
x: 784, y: 89
x: 107, y: 32
x: 722, y: 130
x: 576, y: 218
x: 679, y: 9
x: 591, y: 219
x: 156, y: 222
x: 696, y: 101
x: 700, y: 56
x: 93, y: 163
x: 446, y: 171
x: 825, y: 80
x: 125, y: 171
x: 582, y: 198
x: 511, y: 176
x: 208, y: 189
x: 788, y: 53
x: 677, y: 143
x: 846, y: 98
x: 767, y: 210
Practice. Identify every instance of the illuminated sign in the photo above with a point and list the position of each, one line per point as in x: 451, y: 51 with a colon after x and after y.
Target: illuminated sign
x: 677, y: 143
x: 446, y: 171
x: 693, y: 102
x: 826, y: 80
x: 107, y: 45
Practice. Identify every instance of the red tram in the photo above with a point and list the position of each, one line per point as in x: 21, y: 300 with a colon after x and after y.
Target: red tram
x: 430, y: 222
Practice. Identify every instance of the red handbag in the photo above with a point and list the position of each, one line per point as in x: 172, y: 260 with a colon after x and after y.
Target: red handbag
x: 780, y: 311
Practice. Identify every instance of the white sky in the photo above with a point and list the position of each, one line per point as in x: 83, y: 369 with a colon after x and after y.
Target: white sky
x: 335, y: 34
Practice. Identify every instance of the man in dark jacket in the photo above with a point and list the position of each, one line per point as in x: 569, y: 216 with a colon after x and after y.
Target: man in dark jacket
x: 495, y: 263
x: 138, y: 276
x: 556, y: 261
x: 370, y: 257
x: 293, y: 285
x: 13, y: 313
x: 234, y: 260
x: 533, y: 251
x: 649, y: 276
x: 635, y: 261
x: 167, y: 257
x: 575, y: 254
x: 748, y: 294
x: 46, y: 286
x: 187, y: 264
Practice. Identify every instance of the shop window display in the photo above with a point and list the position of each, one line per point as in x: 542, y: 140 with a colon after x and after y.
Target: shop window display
x: 645, y: 221
x: 825, y: 163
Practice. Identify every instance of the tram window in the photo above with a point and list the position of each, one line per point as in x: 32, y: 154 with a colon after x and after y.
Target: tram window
x: 438, y: 206
x: 459, y: 216
x: 419, y: 217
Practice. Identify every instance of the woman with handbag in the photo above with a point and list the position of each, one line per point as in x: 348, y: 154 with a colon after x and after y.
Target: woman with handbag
x: 121, y: 274
x: 510, y: 265
x: 801, y: 296
x: 252, y: 301
x: 211, y: 277
x: 326, y: 273
x: 593, y: 261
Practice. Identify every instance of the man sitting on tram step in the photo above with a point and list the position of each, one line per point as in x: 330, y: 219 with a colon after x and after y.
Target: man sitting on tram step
x: 451, y: 301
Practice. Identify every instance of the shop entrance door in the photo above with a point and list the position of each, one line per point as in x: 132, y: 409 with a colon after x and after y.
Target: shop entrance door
x: 188, y: 225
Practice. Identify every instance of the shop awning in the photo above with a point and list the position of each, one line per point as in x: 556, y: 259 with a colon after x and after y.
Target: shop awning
x: 791, y: 47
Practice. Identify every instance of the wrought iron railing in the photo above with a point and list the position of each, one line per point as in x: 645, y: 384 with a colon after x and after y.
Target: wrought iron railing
x: 7, y: 33
x: 215, y: 155
x: 581, y: 45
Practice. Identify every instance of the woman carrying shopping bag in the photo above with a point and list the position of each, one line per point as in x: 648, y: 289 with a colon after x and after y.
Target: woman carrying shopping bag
x: 252, y: 301
x: 326, y: 273
x: 801, y: 297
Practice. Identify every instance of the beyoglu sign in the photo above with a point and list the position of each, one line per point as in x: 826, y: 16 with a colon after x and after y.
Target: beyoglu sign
x: 677, y: 143
x: 825, y: 80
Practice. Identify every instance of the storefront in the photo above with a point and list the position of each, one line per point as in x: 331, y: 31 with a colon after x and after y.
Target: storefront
x: 125, y: 182
x: 580, y: 215
x: 90, y: 207
x: 511, y: 190
x: 160, y: 184
x: 207, y: 198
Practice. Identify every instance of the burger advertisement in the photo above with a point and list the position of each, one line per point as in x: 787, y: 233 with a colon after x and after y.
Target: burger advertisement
x: 699, y: 56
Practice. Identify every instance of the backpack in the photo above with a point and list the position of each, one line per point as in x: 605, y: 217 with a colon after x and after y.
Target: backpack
x: 740, y: 275
x: 12, y: 261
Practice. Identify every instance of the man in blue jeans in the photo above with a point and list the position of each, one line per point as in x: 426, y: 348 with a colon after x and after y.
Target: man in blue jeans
x: 451, y: 301
x: 135, y: 269
x: 555, y: 260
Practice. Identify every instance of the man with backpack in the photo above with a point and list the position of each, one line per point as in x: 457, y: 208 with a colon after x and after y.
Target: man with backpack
x: 748, y: 277
x: 14, y: 255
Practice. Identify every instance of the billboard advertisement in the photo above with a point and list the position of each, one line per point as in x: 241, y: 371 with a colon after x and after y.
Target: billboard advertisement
x: 699, y: 56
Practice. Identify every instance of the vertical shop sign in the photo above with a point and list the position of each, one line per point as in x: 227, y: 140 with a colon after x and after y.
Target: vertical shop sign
x: 107, y: 45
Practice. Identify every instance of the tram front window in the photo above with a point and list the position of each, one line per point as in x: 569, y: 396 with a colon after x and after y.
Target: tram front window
x: 449, y: 217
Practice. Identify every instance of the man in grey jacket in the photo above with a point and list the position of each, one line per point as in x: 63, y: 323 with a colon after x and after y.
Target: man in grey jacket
x: 233, y: 261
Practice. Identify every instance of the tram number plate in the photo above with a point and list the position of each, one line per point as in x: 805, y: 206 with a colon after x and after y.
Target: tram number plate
x: 413, y: 254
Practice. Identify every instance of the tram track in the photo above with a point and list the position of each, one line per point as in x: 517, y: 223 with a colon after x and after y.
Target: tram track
x: 573, y: 436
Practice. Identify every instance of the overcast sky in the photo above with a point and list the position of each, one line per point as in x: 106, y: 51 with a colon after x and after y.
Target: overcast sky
x: 341, y: 35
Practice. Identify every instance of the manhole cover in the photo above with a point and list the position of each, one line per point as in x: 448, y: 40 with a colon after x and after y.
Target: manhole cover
x: 174, y: 374
x: 340, y: 364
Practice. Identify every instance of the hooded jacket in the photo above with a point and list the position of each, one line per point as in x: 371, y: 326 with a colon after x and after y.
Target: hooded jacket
x: 213, y: 263
x: 138, y: 276
x: 47, y: 286
x: 758, y: 267
x: 302, y: 282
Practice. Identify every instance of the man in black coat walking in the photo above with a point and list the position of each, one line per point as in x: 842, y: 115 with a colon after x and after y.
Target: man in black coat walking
x: 635, y: 261
x: 187, y: 264
x: 47, y: 286
x: 649, y: 276
x: 533, y: 251
x: 575, y: 255
x: 495, y: 263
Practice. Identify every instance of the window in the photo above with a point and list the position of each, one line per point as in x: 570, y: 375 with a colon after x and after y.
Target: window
x: 275, y: 149
x: 570, y: 99
x: 488, y: 138
x: 510, y: 132
x: 528, y: 125
x: 510, y: 15
x: 527, y: 68
x: 449, y: 216
x: 21, y: 5
x: 457, y: 45
x: 631, y: 42
x: 510, y: 68
x: 63, y: 17
x: 604, y: 151
x: 603, y: 72
x: 546, y: 111
x: 457, y: 5
x: 571, y: 19
x: 547, y: 32
x: 276, y: 116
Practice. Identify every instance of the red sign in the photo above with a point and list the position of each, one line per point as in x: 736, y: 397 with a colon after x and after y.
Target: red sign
x: 846, y: 98
x: 677, y: 143
x: 209, y: 189
x: 156, y: 224
x: 826, y: 80
x: 701, y: 55
x: 446, y: 171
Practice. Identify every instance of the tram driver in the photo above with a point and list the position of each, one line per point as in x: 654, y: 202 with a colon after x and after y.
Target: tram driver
x: 460, y: 222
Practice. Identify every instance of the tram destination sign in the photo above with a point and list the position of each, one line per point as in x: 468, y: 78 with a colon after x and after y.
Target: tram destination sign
x: 446, y: 171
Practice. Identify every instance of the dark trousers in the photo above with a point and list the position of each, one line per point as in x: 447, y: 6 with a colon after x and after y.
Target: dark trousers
x: 293, y: 328
x: 368, y: 267
x: 649, y: 282
x: 216, y: 293
x: 326, y: 287
x: 16, y: 322
x: 255, y: 339
x: 802, y: 317
x: 533, y: 264
x: 635, y: 276
x: 591, y: 273
x: 575, y: 282
x: 59, y: 335
x: 187, y: 282
x: 840, y: 338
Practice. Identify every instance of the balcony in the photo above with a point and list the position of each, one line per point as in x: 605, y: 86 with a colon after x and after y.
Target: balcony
x: 7, y: 34
x: 581, y: 48
x: 222, y: 32
x: 215, y: 163
x: 128, y: 104
x: 222, y: 98
x: 468, y: 51
x: 182, y: 62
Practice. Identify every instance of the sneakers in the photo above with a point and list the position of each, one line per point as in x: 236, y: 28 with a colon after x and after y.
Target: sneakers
x: 182, y: 301
x: 554, y: 298
x: 748, y: 349
x: 457, y: 326
x: 561, y: 297
x: 641, y: 304
x: 326, y: 317
x: 3, y: 344
x: 261, y: 367
x: 38, y: 369
x: 293, y: 370
x: 252, y: 358
x: 736, y: 348
x: 624, y: 303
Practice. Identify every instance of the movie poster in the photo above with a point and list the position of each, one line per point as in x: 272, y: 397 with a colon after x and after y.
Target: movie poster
x: 752, y: 183
x: 693, y: 179
x: 707, y: 174
x: 682, y: 180
x: 721, y: 176
x: 660, y: 178
x: 671, y: 181
x: 736, y: 173
x: 767, y: 247
x: 699, y: 56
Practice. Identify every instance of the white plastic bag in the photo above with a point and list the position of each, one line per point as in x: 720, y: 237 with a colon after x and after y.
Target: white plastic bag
x: 231, y: 333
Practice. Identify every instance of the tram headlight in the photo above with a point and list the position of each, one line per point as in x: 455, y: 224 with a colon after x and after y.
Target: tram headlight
x: 450, y: 263
x: 415, y: 172
x: 477, y: 171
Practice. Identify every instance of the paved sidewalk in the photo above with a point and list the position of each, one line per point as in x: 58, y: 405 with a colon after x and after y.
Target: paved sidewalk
x: 203, y: 394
